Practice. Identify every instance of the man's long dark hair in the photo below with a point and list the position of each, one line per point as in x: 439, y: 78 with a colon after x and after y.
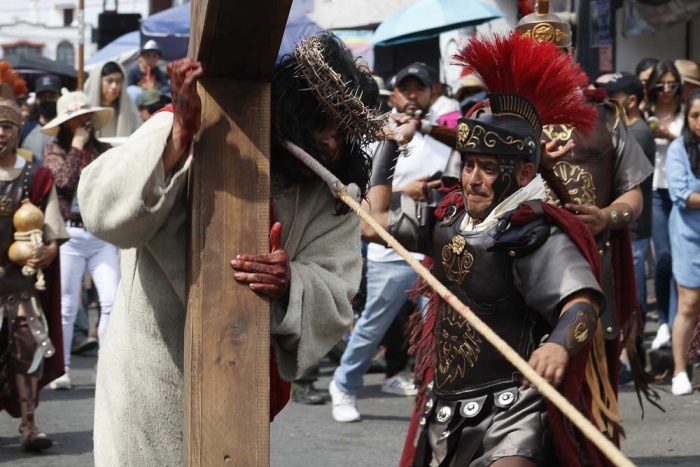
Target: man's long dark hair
x: 661, y: 68
x: 690, y: 139
x: 296, y: 113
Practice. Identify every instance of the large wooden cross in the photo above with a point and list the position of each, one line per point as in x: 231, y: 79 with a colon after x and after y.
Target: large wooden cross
x: 227, y: 336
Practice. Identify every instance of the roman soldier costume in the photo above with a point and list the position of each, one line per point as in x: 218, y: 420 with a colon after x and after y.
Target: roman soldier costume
x: 516, y: 268
x: 603, y: 166
x: 30, y: 318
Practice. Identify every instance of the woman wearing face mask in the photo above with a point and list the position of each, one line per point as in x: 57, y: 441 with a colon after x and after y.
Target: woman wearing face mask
x: 106, y: 87
x: 666, y: 119
x: 75, y: 147
x: 683, y: 174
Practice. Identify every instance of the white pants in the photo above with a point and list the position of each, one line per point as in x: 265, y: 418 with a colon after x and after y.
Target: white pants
x: 84, y: 250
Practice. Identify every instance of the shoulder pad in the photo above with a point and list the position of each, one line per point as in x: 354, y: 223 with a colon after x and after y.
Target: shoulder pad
x: 521, y: 240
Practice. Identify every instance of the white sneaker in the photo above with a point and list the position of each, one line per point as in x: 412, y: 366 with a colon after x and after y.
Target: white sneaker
x: 401, y: 384
x: 344, y: 405
x: 663, y: 338
x: 62, y: 382
x: 680, y: 385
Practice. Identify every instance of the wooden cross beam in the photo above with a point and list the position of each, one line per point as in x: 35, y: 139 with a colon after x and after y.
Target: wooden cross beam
x: 227, y: 334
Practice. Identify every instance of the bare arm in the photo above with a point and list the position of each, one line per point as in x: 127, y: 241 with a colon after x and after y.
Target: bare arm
x: 377, y: 205
x: 693, y: 201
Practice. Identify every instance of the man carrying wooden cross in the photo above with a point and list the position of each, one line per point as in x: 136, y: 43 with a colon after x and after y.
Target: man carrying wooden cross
x: 134, y: 196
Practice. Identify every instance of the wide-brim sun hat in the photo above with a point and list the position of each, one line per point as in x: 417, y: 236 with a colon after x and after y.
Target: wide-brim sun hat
x: 74, y: 104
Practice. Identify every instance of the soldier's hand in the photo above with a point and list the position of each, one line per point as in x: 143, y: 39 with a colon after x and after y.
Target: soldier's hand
x: 268, y: 274
x: 187, y: 105
x: 550, y: 361
x: 46, y: 256
x: 591, y: 215
x: 551, y: 155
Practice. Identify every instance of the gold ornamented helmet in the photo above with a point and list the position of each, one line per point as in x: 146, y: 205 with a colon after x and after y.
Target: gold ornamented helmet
x: 544, y: 26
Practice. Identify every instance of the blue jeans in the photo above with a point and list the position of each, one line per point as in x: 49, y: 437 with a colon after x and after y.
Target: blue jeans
x: 387, y: 284
x: 640, y: 248
x: 664, y: 285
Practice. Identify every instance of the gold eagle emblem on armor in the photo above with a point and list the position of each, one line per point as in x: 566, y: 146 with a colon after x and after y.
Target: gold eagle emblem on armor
x: 581, y: 333
x: 578, y: 181
x: 5, y: 206
x: 456, y: 350
x: 456, y: 260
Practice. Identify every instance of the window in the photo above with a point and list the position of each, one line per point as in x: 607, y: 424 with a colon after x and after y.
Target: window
x: 65, y: 53
x: 68, y: 16
x: 22, y: 48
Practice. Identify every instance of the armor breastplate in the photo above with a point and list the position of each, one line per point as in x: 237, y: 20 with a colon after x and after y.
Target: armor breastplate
x: 587, y: 171
x: 11, y: 196
x: 484, y: 281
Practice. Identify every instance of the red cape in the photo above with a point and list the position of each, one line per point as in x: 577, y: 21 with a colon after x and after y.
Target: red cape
x: 570, y: 446
x: 50, y: 303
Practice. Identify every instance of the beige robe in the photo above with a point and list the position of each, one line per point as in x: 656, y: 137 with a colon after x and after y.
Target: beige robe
x: 126, y: 200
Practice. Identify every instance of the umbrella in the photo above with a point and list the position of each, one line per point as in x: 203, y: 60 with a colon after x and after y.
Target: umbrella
x: 119, y: 50
x: 37, y: 65
x: 428, y: 18
x: 171, y: 30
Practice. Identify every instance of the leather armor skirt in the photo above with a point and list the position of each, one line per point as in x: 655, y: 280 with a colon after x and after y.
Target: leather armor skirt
x: 502, y: 420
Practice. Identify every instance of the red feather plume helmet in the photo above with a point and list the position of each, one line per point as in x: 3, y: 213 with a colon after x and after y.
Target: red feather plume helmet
x: 11, y: 86
x: 530, y: 84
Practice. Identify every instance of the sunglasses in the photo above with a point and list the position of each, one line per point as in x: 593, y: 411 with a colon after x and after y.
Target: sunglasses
x: 663, y: 87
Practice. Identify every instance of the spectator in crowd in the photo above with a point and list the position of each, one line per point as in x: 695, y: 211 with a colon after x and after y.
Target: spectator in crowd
x: 690, y: 73
x: 444, y: 110
x: 683, y: 174
x: 471, y: 90
x: 48, y: 90
x: 150, y: 102
x: 105, y: 87
x: 666, y: 120
x: 76, y: 146
x: 146, y: 74
x: 388, y: 276
x: 643, y: 71
x: 385, y: 103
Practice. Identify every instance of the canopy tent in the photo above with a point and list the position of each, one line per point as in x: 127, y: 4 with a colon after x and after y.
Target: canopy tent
x: 31, y: 67
x: 122, y: 50
x: 171, y: 30
x: 428, y: 18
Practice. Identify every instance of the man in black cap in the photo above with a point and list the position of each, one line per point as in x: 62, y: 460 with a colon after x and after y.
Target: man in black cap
x: 146, y: 74
x: 388, y: 276
x: 48, y: 90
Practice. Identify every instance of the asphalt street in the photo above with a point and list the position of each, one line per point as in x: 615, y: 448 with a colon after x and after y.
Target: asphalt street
x: 305, y: 436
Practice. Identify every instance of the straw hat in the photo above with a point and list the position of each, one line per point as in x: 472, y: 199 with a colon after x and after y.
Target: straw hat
x: 73, y: 104
x: 689, y: 70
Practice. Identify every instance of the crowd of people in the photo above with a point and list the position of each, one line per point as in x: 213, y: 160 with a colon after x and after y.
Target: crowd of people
x: 538, y: 211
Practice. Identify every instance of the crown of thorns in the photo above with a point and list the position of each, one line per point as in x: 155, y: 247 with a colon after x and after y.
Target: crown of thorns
x: 360, y: 123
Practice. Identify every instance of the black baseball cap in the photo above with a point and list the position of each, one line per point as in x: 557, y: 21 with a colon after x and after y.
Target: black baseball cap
x: 418, y: 70
x: 48, y: 83
x: 624, y: 82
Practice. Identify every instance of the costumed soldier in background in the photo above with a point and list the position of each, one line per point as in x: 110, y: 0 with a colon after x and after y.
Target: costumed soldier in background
x: 602, y: 174
x: 31, y: 229
x: 528, y: 269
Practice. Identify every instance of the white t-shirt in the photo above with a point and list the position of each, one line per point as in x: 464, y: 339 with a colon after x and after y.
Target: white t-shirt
x: 659, y: 179
x: 427, y: 156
